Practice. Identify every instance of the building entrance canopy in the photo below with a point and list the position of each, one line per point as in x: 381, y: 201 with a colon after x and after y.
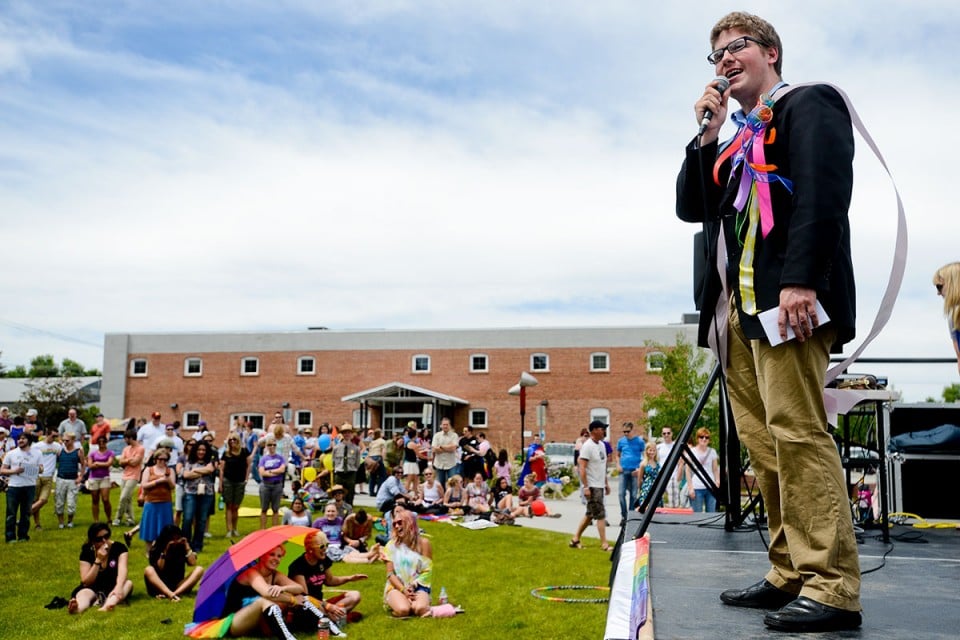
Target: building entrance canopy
x: 399, y: 403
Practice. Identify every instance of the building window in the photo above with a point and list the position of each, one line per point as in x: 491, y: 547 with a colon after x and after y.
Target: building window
x: 193, y: 367
x: 306, y: 366
x: 478, y: 417
x: 479, y: 363
x: 191, y: 419
x: 656, y: 360
x: 256, y: 420
x: 138, y: 367
x: 250, y: 367
x: 540, y: 362
x: 304, y: 418
x: 603, y: 415
x: 421, y: 363
x: 600, y: 361
x: 360, y: 419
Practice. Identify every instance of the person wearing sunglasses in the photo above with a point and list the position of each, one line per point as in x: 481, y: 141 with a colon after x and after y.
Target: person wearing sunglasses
x: 103, y: 572
x: 701, y: 498
x: 778, y: 194
x: 312, y: 572
x: 947, y: 282
x: 409, y: 558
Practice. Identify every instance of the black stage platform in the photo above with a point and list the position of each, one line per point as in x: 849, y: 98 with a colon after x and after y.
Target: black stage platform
x: 915, y: 594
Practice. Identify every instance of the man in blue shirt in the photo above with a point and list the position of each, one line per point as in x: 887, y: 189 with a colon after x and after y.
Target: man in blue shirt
x: 629, y: 456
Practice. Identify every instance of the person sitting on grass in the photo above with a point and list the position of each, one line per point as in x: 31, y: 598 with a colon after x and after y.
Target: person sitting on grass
x: 478, y: 495
x: 261, y: 595
x: 502, y: 495
x: 166, y: 575
x: 103, y: 572
x: 454, y: 497
x: 337, y: 494
x: 409, y: 559
x: 312, y: 572
x: 357, y: 529
x: 332, y: 526
x: 530, y: 503
x: 297, y: 514
x: 430, y: 499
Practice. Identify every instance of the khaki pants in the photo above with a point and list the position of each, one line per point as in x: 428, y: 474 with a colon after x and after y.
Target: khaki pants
x: 776, y: 394
x: 128, y: 489
x: 65, y: 495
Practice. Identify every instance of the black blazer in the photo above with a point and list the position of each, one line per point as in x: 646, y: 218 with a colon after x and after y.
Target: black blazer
x: 809, y: 245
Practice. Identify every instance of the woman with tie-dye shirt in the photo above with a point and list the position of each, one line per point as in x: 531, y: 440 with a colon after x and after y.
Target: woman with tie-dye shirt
x: 409, y: 559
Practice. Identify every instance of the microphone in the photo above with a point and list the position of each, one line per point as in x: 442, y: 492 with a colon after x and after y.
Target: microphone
x: 722, y: 85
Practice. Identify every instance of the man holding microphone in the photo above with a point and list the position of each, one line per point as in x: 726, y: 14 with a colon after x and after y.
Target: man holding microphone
x: 774, y: 205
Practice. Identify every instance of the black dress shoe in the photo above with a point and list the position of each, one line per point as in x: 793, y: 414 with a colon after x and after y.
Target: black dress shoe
x: 804, y: 614
x: 762, y: 595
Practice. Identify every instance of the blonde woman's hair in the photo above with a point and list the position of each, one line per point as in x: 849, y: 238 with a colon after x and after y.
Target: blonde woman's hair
x: 949, y: 276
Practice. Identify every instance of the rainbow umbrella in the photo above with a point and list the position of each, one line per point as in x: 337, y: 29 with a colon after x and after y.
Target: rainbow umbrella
x: 212, y: 594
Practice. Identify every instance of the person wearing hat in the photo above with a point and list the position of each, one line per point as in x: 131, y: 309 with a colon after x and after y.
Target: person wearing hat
x: 201, y: 431
x: 593, y: 478
x: 150, y: 433
x: 31, y: 427
x: 338, y: 495
x: 346, y: 461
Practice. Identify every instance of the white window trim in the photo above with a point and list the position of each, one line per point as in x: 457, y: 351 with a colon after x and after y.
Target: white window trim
x: 413, y: 363
x: 243, y: 366
x: 186, y: 422
x: 606, y: 356
x: 602, y: 414
x: 297, y: 422
x: 545, y: 369
x: 486, y: 360
x: 186, y: 367
x: 300, y: 371
x: 651, y: 356
x: 479, y: 425
x: 146, y: 368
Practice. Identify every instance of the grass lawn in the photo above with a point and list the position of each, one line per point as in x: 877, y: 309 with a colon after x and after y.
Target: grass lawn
x: 489, y: 573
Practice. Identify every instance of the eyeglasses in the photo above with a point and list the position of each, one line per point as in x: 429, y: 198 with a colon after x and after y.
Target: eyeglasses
x: 703, y: 437
x: 736, y: 45
x: 164, y: 459
x: 320, y: 546
x: 939, y: 287
x: 271, y: 444
x: 666, y: 433
x: 102, y: 538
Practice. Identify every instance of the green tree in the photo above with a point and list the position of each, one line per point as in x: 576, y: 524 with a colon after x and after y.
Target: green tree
x: 951, y: 393
x: 52, y: 397
x: 71, y: 368
x: 44, y: 366
x: 685, y: 372
x: 18, y: 371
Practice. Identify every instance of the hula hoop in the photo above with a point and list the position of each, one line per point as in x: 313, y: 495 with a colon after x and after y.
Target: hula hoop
x: 539, y: 593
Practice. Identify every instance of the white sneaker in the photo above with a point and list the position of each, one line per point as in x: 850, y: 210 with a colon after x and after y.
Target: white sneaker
x: 207, y: 534
x: 60, y: 526
x: 116, y: 523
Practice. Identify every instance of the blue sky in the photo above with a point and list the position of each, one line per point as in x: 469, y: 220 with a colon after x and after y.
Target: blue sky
x: 178, y: 166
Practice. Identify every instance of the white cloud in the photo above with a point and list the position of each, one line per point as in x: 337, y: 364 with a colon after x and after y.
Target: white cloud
x: 416, y: 165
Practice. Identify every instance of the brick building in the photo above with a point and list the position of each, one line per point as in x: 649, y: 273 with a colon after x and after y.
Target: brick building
x: 386, y: 378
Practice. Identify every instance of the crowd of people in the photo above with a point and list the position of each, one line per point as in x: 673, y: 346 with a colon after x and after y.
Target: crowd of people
x: 174, y: 478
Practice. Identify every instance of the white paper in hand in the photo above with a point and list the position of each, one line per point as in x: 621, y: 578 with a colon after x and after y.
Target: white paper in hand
x: 769, y: 319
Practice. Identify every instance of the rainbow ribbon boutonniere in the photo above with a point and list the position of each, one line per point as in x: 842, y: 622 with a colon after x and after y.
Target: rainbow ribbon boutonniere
x: 753, y: 194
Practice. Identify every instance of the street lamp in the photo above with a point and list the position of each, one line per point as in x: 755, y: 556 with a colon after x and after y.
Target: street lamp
x: 520, y: 389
